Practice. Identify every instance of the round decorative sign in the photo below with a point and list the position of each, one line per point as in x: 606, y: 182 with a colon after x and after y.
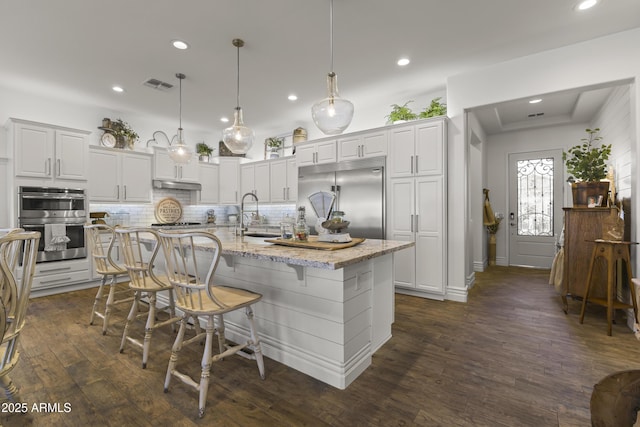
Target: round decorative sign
x: 168, y: 210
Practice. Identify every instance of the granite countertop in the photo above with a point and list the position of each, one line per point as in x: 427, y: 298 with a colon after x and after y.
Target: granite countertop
x: 257, y: 248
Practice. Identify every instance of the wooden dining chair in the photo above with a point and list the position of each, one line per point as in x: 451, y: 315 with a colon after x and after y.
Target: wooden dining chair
x: 18, y: 251
x: 140, y: 247
x: 191, y: 272
x: 102, y: 239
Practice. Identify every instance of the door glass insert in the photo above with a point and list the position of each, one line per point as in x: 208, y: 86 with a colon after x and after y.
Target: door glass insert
x: 535, y: 197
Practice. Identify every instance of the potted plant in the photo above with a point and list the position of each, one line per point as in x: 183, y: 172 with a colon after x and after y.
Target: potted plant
x: 586, y: 164
x: 204, y: 151
x: 125, y: 135
x: 401, y: 113
x: 434, y: 109
x: 274, y: 144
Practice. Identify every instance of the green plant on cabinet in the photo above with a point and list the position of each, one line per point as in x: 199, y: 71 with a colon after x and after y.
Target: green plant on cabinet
x: 587, y: 161
x: 434, y: 109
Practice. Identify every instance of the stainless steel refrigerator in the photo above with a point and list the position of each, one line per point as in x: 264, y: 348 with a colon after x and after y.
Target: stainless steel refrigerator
x: 359, y: 189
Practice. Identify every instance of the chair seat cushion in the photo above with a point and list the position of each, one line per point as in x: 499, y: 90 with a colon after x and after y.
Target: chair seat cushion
x: 232, y: 298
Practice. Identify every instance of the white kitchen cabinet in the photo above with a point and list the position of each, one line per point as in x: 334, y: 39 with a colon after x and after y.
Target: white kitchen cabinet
x: 49, y: 153
x: 284, y: 180
x: 165, y: 168
x: 316, y: 153
x: 229, y: 173
x: 417, y: 215
x: 119, y: 176
x: 4, y: 192
x: 51, y: 277
x: 254, y: 178
x: 417, y: 206
x: 417, y: 149
x: 210, y: 181
x: 362, y: 145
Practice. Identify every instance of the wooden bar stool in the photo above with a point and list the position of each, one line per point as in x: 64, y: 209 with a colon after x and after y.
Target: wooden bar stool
x: 611, y: 251
x: 102, y: 238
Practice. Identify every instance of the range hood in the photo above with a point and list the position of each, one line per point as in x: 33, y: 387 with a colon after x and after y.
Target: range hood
x: 176, y: 185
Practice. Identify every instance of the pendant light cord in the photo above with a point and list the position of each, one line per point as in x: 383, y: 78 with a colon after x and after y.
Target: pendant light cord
x: 238, y: 79
x: 331, y: 33
x: 180, y: 76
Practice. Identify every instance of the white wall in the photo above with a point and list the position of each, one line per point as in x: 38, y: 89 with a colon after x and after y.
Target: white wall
x: 599, y: 61
x: 615, y: 123
x: 86, y: 117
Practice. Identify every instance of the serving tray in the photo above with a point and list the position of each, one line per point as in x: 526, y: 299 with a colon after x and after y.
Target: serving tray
x: 313, y: 243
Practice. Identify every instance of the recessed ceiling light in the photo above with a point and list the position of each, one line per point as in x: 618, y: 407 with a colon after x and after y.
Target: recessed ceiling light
x: 587, y: 4
x: 224, y: 119
x: 535, y: 101
x: 179, y: 44
x: 292, y: 97
x: 118, y: 89
x: 403, y: 61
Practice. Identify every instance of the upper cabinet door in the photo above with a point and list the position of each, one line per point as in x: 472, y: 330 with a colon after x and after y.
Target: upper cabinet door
x: 306, y: 154
x: 136, y: 177
x: 349, y: 148
x: 429, y: 157
x: 104, y: 176
x: 163, y: 166
x: 401, y: 154
x: 72, y: 158
x: 50, y: 152
x: 209, y: 178
x: 34, y: 156
x: 326, y: 152
x: 374, y: 144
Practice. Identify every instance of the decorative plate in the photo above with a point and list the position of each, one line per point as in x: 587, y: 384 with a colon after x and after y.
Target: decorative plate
x: 168, y: 210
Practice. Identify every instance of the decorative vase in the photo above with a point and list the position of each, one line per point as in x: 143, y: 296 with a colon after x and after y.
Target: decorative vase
x: 582, y: 192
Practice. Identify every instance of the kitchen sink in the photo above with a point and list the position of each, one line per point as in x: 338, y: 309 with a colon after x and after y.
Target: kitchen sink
x: 261, y: 234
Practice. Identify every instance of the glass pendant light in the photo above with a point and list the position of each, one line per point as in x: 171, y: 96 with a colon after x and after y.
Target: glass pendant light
x: 238, y: 138
x: 180, y: 152
x: 333, y: 114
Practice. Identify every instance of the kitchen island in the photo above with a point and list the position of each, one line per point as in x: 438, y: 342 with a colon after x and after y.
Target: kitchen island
x: 323, y: 313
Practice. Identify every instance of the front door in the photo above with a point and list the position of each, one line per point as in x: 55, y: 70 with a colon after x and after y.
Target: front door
x: 535, y: 207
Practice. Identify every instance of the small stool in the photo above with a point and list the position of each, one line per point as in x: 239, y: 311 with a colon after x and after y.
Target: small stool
x: 611, y: 251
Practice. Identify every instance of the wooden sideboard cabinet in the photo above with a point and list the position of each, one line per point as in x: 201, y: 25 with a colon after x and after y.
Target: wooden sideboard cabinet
x: 581, y: 227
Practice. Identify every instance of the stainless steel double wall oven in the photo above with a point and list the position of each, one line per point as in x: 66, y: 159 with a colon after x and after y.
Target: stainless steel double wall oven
x: 59, y: 214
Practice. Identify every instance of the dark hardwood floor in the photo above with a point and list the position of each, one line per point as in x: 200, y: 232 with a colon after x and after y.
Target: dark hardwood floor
x: 509, y: 357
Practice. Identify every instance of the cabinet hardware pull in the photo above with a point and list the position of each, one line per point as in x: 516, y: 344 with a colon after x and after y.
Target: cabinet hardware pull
x: 125, y: 192
x: 45, y: 282
x: 412, y: 165
x: 55, y: 269
x: 412, y: 223
x: 118, y: 188
x: 283, y: 193
x: 417, y: 224
x: 58, y: 162
x: 417, y: 170
x: 287, y: 193
x: 49, y: 166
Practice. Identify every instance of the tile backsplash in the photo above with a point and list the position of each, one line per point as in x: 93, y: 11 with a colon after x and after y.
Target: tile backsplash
x: 143, y: 215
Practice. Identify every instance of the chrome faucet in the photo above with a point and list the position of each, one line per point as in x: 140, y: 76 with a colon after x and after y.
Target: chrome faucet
x: 243, y: 226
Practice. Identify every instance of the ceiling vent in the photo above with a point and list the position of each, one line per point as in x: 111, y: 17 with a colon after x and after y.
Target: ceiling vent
x: 158, y: 85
